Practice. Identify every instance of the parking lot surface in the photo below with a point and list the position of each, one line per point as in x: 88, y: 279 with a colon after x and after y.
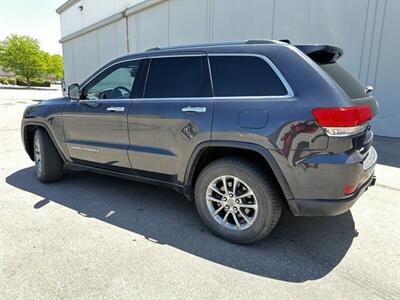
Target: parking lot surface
x: 92, y: 236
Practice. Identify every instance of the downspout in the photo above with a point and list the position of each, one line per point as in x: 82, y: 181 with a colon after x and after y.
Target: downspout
x: 127, y: 30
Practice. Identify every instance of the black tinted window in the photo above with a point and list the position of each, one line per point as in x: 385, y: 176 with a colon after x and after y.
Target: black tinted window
x: 351, y: 86
x: 177, y: 77
x: 244, y: 76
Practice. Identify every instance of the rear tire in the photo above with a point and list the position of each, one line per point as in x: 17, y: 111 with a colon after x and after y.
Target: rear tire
x: 250, y: 218
x: 48, y: 163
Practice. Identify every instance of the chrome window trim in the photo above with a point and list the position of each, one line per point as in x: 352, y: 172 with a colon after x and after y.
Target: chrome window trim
x: 104, y: 100
x: 177, y: 55
x: 96, y: 74
x: 287, y: 98
x: 239, y: 98
x: 289, y: 91
x: 178, y: 99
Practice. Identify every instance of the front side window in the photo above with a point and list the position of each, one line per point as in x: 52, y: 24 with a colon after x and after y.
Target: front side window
x: 115, y: 83
x: 244, y: 76
x: 178, y: 77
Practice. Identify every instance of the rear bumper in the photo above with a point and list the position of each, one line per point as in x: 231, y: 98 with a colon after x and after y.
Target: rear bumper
x: 332, y: 207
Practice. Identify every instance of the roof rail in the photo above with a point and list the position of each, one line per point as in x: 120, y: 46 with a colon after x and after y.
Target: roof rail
x: 153, y: 49
x: 248, y: 42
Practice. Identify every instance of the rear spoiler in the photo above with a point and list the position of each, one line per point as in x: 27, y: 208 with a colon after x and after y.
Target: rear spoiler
x: 322, y: 54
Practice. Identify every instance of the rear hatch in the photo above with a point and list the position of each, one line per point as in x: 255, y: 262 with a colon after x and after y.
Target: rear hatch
x: 360, y: 99
x: 326, y: 57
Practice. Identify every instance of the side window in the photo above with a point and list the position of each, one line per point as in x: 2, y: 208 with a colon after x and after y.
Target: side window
x: 244, y: 76
x: 350, y: 85
x: 115, y: 83
x: 178, y: 77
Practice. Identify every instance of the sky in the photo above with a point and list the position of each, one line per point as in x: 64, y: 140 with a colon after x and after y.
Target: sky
x: 36, y: 18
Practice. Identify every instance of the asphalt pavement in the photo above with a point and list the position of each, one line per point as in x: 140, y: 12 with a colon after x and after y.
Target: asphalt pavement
x: 92, y: 236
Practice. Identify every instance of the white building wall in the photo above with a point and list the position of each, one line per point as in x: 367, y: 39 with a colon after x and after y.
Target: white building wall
x: 188, y: 22
x: 239, y: 20
x: 149, y: 28
x: 83, y: 55
x: 93, y: 11
x: 367, y: 30
x: 339, y: 23
x: 386, y: 74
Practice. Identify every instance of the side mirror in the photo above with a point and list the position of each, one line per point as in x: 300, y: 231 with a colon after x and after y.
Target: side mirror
x: 73, y: 91
x: 63, y: 88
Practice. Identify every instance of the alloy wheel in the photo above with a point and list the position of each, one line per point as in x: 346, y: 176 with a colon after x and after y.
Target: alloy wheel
x: 38, y: 157
x: 231, y: 202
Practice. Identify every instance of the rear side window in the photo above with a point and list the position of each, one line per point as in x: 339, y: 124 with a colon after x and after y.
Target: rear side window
x: 178, y: 77
x: 350, y: 85
x: 244, y: 76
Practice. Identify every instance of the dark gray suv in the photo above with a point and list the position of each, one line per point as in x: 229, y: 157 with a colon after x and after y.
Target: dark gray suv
x: 243, y: 128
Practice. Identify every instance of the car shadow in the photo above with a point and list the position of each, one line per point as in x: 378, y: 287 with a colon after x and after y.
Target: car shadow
x: 298, y: 249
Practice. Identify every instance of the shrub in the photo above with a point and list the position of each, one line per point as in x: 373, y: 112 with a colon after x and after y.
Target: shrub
x: 3, y: 80
x: 12, y: 81
x: 21, y: 81
x: 41, y: 83
x: 34, y: 82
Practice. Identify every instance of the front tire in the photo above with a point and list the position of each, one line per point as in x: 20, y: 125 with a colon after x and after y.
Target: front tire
x: 237, y: 200
x: 48, y: 163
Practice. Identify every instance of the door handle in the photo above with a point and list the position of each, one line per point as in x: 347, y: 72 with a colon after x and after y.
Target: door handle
x: 116, y: 108
x: 196, y: 110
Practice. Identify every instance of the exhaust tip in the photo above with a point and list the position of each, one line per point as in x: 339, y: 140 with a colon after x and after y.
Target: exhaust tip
x: 373, y: 181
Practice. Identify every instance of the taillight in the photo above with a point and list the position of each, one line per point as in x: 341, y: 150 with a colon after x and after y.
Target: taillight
x: 343, y: 121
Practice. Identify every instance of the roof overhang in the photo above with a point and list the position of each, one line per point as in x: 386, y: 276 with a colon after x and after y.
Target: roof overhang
x: 65, y: 6
x: 143, y: 5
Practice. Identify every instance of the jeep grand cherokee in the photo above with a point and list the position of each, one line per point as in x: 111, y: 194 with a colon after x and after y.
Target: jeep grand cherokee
x: 243, y: 128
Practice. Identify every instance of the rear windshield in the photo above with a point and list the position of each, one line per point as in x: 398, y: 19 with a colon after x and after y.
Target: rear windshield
x: 351, y: 86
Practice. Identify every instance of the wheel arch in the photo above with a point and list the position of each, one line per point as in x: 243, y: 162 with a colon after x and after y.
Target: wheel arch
x: 28, y: 132
x: 195, y: 164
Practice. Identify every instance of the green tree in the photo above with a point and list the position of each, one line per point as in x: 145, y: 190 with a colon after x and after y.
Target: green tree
x: 55, y: 66
x: 22, y: 55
